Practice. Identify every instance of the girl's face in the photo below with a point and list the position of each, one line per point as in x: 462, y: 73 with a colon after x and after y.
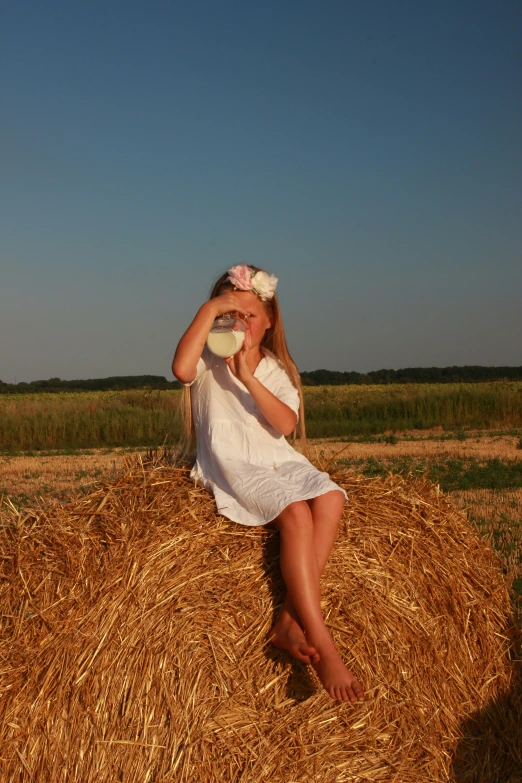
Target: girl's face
x: 257, y: 321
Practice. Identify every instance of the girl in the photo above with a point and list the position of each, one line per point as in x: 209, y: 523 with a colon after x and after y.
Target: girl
x: 242, y: 408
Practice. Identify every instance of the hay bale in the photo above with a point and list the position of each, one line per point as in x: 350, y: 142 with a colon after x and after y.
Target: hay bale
x: 133, y: 639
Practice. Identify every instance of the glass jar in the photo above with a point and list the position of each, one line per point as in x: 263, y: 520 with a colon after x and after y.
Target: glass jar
x: 226, y: 335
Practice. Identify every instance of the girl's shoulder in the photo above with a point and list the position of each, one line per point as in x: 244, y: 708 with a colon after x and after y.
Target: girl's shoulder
x: 271, y: 366
x: 207, y: 361
x: 271, y: 362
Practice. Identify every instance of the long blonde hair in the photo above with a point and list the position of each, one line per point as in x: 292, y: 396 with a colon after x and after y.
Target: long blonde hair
x: 274, y: 340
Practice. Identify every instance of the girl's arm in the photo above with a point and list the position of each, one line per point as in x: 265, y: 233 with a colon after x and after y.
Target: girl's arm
x: 276, y: 412
x: 190, y: 347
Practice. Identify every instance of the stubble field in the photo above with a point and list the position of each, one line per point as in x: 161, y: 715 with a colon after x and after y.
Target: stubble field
x: 466, y: 437
x: 482, y: 475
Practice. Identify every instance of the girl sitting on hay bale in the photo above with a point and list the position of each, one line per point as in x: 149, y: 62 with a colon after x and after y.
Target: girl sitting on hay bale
x: 241, y: 408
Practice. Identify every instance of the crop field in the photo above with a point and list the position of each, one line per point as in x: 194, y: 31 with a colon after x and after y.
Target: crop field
x: 83, y: 420
x: 130, y: 419
x: 333, y: 411
x: 466, y: 437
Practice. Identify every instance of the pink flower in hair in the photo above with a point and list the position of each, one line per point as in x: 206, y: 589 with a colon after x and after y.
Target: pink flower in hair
x: 244, y: 278
x: 241, y: 277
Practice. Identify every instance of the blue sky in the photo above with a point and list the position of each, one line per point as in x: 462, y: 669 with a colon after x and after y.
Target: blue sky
x: 367, y: 153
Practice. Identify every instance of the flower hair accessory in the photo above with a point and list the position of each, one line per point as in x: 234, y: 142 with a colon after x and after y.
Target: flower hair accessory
x: 244, y: 278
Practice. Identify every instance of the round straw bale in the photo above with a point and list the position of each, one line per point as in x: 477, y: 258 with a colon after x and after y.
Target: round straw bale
x: 134, y: 624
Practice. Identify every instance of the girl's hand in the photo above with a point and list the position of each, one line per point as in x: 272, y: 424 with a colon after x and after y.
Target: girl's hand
x: 191, y: 345
x: 238, y: 363
x: 226, y: 303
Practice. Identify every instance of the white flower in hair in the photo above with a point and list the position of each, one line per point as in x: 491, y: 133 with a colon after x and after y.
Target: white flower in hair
x: 264, y: 285
x: 244, y: 278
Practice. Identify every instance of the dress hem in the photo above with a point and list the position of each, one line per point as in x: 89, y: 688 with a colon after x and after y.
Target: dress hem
x: 307, y: 496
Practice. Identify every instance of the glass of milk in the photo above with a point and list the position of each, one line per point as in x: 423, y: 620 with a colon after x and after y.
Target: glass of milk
x: 226, y: 335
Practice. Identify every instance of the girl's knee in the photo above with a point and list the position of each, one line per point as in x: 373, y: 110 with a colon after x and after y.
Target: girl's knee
x: 295, y: 515
x: 334, y: 500
x: 339, y: 498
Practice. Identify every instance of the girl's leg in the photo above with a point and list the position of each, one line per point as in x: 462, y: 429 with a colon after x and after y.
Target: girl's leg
x: 287, y: 632
x: 300, y: 569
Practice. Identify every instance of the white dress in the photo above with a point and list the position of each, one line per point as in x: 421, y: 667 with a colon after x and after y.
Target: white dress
x: 249, y: 466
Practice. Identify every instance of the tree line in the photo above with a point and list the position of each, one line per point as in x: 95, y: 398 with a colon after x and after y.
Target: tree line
x: 467, y: 374
x: 117, y: 383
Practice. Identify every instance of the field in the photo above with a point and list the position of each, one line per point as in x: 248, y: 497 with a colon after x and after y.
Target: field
x: 481, y: 473
x: 466, y: 437
x: 41, y: 422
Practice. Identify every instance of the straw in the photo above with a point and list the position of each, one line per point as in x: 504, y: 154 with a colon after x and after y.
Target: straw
x: 134, y: 623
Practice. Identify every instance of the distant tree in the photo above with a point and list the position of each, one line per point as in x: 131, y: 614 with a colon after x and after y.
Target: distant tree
x: 466, y: 374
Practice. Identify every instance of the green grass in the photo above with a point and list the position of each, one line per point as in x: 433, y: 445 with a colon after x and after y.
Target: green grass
x: 132, y: 419
x: 456, y: 473
x: 370, y: 410
x: 70, y: 422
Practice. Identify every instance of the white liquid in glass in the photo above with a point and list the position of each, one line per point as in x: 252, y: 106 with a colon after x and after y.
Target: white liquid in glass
x: 225, y: 344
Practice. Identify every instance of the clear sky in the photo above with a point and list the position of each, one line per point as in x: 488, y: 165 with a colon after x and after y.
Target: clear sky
x: 368, y: 153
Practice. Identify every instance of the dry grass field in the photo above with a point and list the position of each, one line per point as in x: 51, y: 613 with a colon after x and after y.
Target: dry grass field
x: 496, y: 512
x: 27, y: 478
x: 57, y: 475
x: 92, y: 653
x: 427, y: 443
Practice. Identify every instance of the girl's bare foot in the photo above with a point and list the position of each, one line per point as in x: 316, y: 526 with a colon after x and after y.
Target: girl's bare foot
x: 338, y: 681
x: 288, y: 635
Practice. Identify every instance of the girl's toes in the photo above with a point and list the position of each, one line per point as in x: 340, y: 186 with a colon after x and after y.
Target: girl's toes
x: 358, y: 691
x: 307, y: 654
